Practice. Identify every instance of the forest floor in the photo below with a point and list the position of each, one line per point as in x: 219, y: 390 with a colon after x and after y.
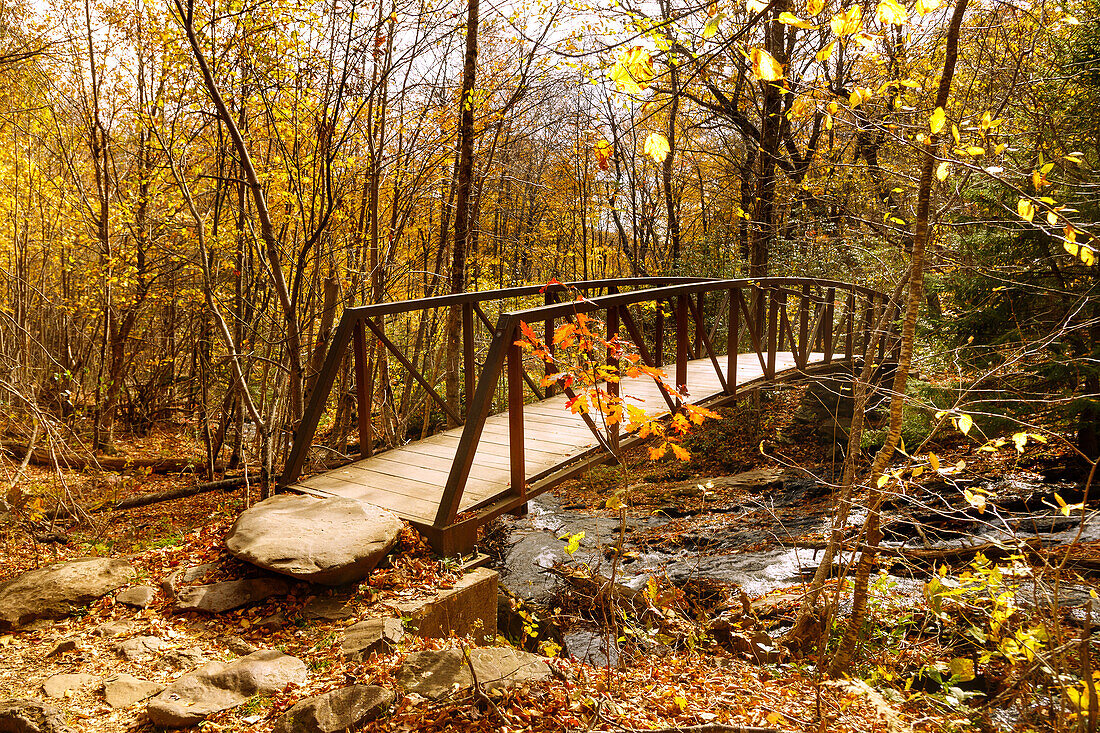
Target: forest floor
x: 698, y: 682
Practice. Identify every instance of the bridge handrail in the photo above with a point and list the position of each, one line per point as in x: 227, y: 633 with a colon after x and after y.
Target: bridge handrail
x: 768, y: 323
x: 356, y: 321
x: 767, y: 337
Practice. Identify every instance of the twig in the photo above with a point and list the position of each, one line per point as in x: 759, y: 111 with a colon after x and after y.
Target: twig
x: 478, y: 692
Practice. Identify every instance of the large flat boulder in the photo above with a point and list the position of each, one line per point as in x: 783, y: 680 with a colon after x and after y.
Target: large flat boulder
x: 55, y: 591
x: 435, y: 674
x: 338, y: 710
x: 331, y: 541
x: 219, y: 686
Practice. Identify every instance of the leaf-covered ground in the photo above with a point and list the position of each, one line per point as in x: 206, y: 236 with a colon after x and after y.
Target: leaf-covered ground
x: 702, y: 685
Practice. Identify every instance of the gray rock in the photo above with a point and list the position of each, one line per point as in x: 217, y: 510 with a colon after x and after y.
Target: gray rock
x: 59, y: 684
x: 230, y: 594
x: 24, y: 715
x: 591, y: 648
x: 338, y: 710
x: 125, y: 690
x: 332, y: 541
x: 218, y: 686
x: 370, y: 636
x: 187, y: 658
x: 63, y: 646
x: 57, y: 590
x: 274, y: 622
x: 434, y: 674
x: 240, y: 647
x: 112, y: 629
x: 140, y: 596
x: 329, y: 608
x: 141, y: 648
x: 171, y: 583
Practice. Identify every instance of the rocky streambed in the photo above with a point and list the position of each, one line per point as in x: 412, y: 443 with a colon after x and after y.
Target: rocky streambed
x: 762, y: 531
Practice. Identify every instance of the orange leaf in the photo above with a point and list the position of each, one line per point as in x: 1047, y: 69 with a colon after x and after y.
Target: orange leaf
x: 679, y: 452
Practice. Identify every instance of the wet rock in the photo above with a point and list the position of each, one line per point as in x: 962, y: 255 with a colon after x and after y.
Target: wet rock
x: 344, y: 709
x: 469, y: 608
x: 57, y: 590
x: 230, y: 594
x: 434, y: 674
x: 591, y: 648
x: 372, y: 635
x: 24, y: 715
x: 59, y: 684
x: 331, y: 541
x: 125, y: 690
x: 218, y: 686
x: 141, y: 648
x: 64, y: 646
x: 140, y: 596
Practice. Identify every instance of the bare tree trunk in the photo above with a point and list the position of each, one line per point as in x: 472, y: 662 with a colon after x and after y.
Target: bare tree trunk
x: 464, y: 180
x: 267, y: 229
x: 872, y: 531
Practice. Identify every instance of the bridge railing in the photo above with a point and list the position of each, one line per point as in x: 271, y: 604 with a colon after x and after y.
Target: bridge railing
x: 766, y: 317
x: 669, y: 321
x: 475, y: 310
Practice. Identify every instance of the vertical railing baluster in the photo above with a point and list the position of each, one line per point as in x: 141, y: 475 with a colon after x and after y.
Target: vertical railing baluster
x: 733, y: 339
x: 700, y: 326
x: 868, y: 315
x: 804, y: 326
x: 613, y: 368
x: 849, y: 325
x: 681, y: 342
x: 548, y: 337
x: 362, y: 398
x: 515, y: 415
x: 827, y: 326
x: 469, y: 365
x: 659, y: 336
x: 773, y: 331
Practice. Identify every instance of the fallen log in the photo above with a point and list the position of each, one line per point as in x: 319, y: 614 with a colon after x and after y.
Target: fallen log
x: 927, y: 555
x: 74, y: 462
x: 154, y: 497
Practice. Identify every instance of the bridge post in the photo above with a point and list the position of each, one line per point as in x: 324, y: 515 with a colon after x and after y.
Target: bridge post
x: 515, y: 414
x: 827, y: 333
x: 659, y: 336
x: 613, y: 363
x: 469, y: 365
x: 849, y: 324
x: 549, y: 298
x: 733, y: 338
x: 804, y: 326
x: 362, y: 397
x: 681, y: 342
x: 773, y: 333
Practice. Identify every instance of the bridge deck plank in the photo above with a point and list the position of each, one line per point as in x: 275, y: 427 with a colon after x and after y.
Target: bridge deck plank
x: 409, y: 480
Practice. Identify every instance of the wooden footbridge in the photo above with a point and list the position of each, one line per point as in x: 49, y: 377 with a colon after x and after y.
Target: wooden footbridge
x: 717, y: 339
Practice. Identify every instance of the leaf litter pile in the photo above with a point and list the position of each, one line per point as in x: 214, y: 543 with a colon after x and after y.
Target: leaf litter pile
x: 698, y: 684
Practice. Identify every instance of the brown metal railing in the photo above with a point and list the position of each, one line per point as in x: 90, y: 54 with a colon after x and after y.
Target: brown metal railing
x: 764, y: 317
